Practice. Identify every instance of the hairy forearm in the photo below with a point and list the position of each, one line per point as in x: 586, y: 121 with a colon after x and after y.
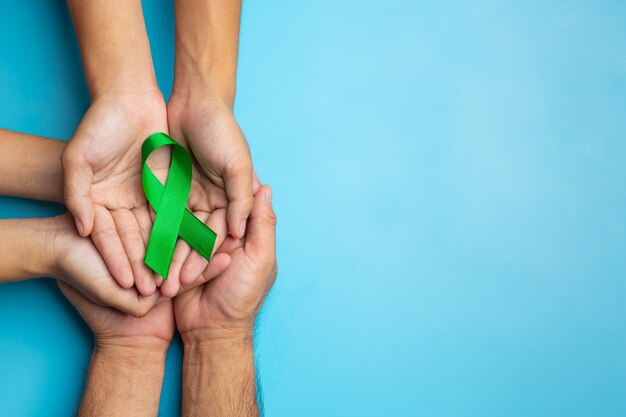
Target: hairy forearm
x: 114, y: 46
x: 30, y: 166
x: 26, y: 248
x: 207, y: 41
x: 219, y: 378
x: 123, y: 381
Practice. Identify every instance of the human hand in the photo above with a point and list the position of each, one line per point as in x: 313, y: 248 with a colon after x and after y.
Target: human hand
x: 75, y: 260
x: 227, y: 305
x: 102, y: 181
x: 116, y: 330
x: 128, y: 360
x: 207, y: 124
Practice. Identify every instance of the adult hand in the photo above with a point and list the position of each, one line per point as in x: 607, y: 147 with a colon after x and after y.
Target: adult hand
x: 200, y: 109
x: 114, y: 329
x: 207, y: 124
x: 75, y: 260
x: 216, y: 321
x: 227, y: 305
x: 128, y: 361
x: 102, y: 181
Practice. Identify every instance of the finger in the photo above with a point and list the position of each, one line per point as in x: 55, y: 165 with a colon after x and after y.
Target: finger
x: 77, y: 178
x: 256, y: 183
x: 132, y: 239
x: 158, y: 280
x: 240, y: 199
x: 230, y: 244
x: 127, y: 301
x: 145, y: 225
x: 152, y: 215
x: 196, y: 263
x: 218, y: 264
x: 170, y: 287
x: 262, y: 224
x: 191, y: 256
x: 110, y: 246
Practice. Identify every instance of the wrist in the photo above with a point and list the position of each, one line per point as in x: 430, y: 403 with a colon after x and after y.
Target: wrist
x: 202, y: 345
x: 57, y: 239
x: 39, y: 238
x: 123, y: 381
x: 216, y: 336
x: 192, y: 85
x: 137, y: 353
x: 219, y: 374
x: 122, y: 87
x: 139, y: 97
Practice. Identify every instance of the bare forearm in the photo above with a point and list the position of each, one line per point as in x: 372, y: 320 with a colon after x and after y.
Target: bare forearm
x: 219, y: 378
x: 123, y: 382
x: 114, y: 45
x: 207, y: 41
x: 30, y: 166
x: 26, y: 248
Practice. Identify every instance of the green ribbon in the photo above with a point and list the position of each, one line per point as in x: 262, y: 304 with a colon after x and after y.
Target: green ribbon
x: 168, y: 201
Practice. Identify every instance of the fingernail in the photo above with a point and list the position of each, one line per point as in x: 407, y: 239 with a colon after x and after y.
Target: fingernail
x: 268, y: 194
x: 242, y: 227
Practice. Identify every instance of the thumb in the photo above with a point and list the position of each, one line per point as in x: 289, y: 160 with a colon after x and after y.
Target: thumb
x: 262, y: 223
x: 256, y: 183
x: 77, y: 178
x: 219, y: 263
x: 240, y: 200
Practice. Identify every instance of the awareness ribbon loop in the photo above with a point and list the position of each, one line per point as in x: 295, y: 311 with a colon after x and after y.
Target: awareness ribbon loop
x: 169, y: 202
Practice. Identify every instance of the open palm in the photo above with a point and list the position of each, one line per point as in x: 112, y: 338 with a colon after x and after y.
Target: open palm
x: 103, y: 183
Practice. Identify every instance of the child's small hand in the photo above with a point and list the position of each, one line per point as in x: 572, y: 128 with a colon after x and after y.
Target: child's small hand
x: 77, y: 262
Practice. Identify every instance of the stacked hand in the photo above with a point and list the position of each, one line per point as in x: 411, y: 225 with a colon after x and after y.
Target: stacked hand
x: 103, y: 190
x: 215, y: 321
x: 103, y: 182
x: 228, y: 304
x: 97, y: 251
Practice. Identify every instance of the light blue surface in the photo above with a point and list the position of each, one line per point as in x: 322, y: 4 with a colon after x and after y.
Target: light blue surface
x: 449, y: 178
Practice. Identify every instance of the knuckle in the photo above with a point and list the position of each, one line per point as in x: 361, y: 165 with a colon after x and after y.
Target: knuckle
x: 249, y: 201
x: 145, y: 230
x: 244, y: 204
x: 132, y: 238
x: 272, y: 220
x: 105, y: 232
x: 140, y: 311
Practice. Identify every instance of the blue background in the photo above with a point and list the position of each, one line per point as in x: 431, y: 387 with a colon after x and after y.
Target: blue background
x: 449, y: 180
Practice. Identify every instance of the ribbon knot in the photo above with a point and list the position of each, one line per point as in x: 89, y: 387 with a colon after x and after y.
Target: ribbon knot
x: 169, y: 202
